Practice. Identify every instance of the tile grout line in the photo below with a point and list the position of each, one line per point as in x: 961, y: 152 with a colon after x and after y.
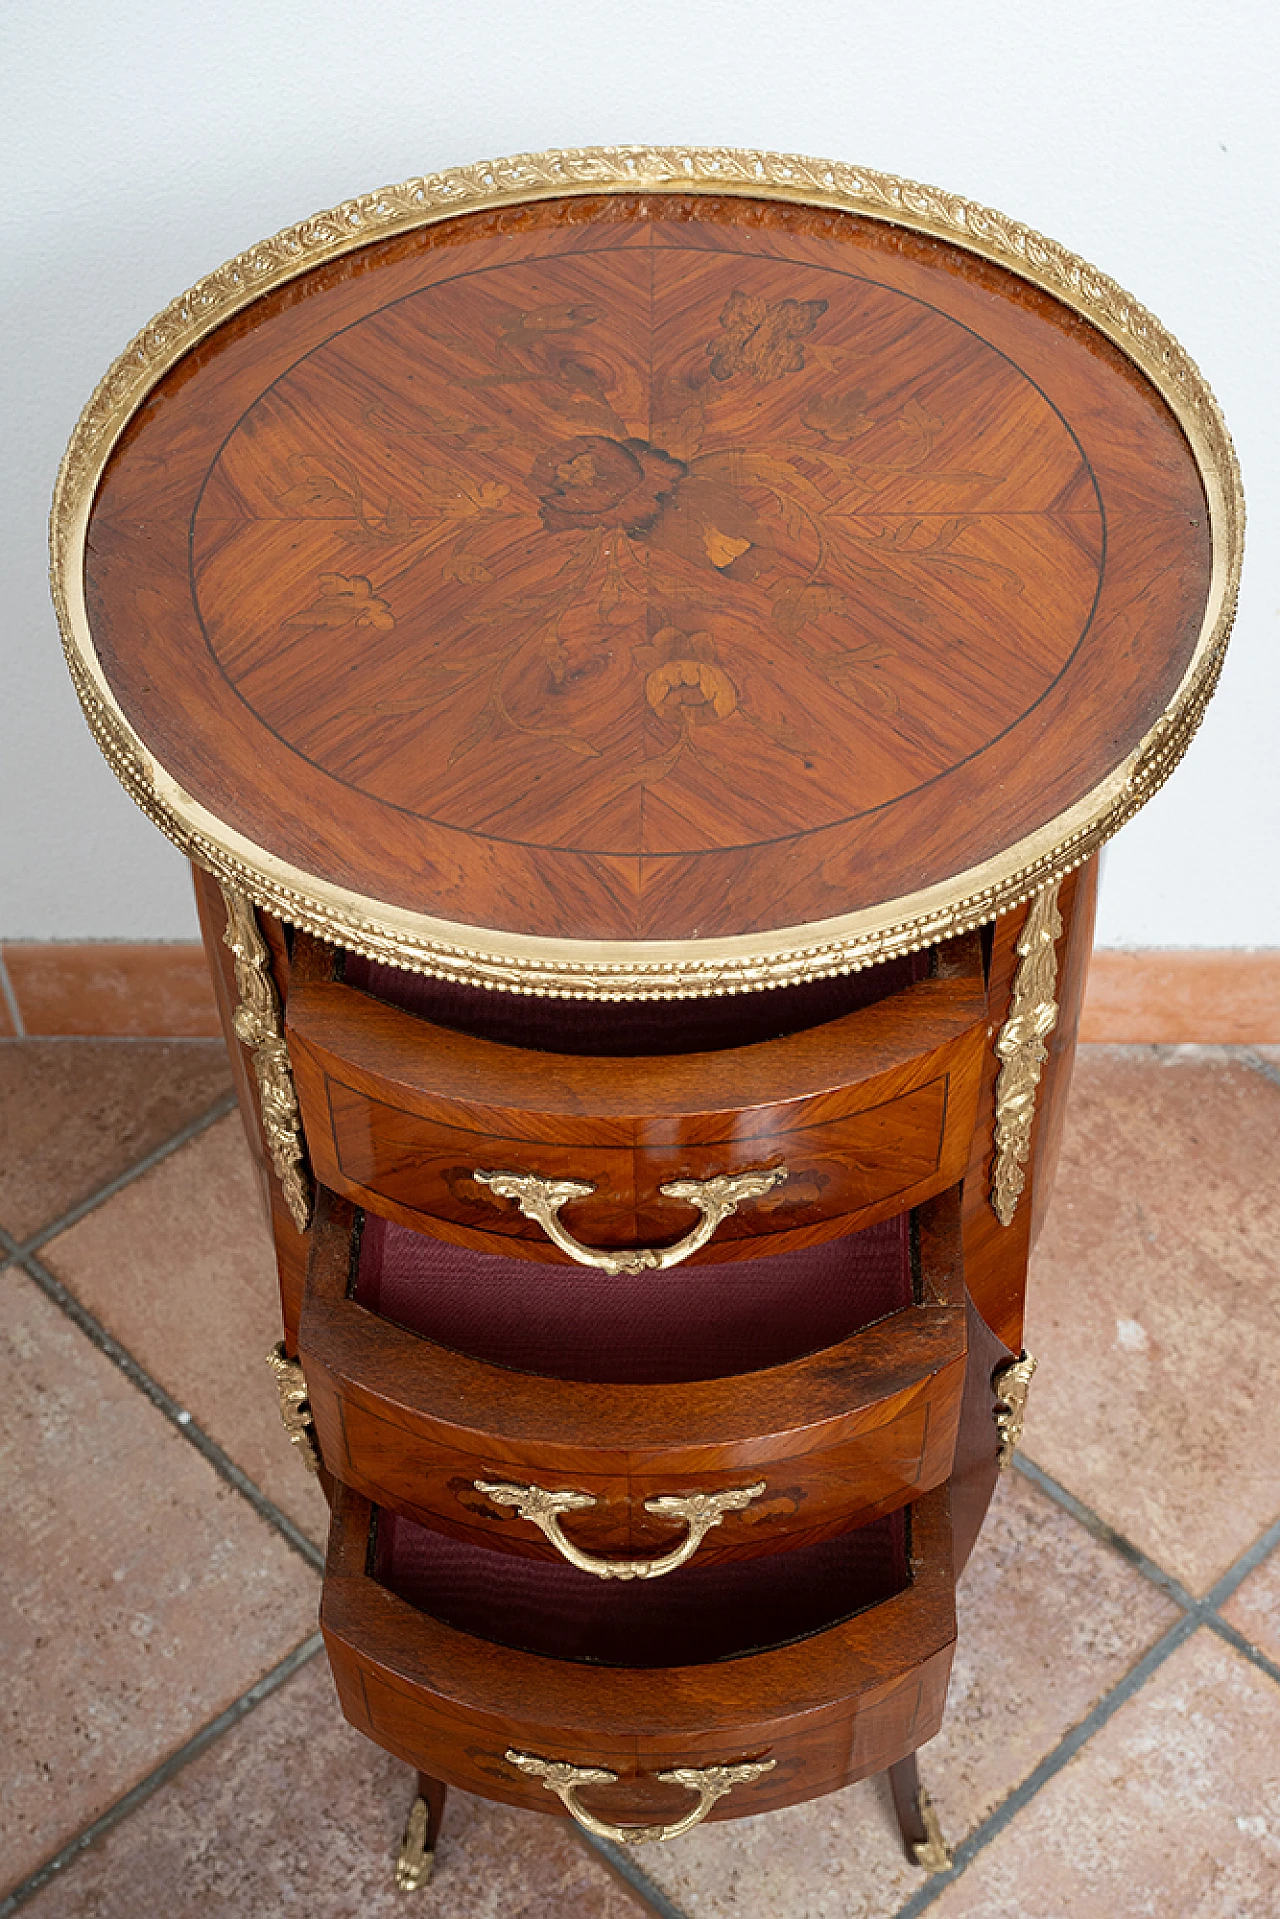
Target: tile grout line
x: 22, y: 1257
x: 185, y: 1134
x: 1245, y: 1647
x: 621, y: 1863
x: 10, y: 999
x: 1239, y: 1570
x: 112, y: 1039
x: 1256, y: 1064
x: 1072, y: 1742
x: 1200, y: 1614
x: 1105, y: 1533
x: 21, y: 1254
x: 1207, y: 1607
x: 178, y: 1416
x: 1196, y: 1613
x: 161, y: 1775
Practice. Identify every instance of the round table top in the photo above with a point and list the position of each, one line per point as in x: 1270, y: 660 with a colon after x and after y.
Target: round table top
x: 646, y: 583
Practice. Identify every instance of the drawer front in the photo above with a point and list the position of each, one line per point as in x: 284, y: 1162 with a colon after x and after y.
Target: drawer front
x: 819, y: 1444
x: 837, y: 1706
x: 841, y: 1175
x: 866, y: 1122
x: 808, y: 1486
x: 852, y: 1740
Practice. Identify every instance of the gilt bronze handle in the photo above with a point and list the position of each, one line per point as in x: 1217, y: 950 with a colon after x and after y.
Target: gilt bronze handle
x: 541, y: 1199
x: 699, y: 1511
x: 709, y: 1782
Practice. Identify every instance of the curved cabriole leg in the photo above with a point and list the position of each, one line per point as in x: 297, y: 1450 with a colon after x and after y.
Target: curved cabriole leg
x: 417, y: 1853
x: 922, y: 1838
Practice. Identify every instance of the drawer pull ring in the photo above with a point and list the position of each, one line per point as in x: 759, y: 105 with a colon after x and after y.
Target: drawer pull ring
x: 709, y: 1782
x: 541, y: 1199
x: 699, y: 1511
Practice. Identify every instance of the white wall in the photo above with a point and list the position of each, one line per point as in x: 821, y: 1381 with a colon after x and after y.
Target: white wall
x: 151, y: 140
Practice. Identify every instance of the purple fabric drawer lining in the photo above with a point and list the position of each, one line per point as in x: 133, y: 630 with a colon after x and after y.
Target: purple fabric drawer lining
x: 689, y: 1617
x: 694, y: 1322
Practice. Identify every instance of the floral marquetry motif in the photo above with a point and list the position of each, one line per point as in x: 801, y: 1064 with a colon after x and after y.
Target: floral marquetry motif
x: 617, y: 572
x: 835, y: 505
x: 765, y: 341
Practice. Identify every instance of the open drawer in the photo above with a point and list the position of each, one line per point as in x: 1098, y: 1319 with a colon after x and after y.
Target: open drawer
x: 757, y: 1685
x: 790, y: 1412
x: 651, y: 1158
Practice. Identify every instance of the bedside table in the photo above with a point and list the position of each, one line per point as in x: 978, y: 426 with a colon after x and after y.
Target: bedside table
x: 642, y: 649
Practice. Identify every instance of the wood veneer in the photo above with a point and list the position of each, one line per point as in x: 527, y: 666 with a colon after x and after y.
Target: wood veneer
x: 851, y: 1436
x: 828, y: 1709
x: 649, y: 591
x: 870, y: 1113
x: 838, y: 1437
x: 740, y: 565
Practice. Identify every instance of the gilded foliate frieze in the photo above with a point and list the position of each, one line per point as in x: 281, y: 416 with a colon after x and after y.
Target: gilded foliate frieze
x: 1022, y: 1049
x: 260, y: 1027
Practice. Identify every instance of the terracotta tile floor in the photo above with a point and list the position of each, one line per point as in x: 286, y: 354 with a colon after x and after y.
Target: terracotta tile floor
x: 172, y: 1744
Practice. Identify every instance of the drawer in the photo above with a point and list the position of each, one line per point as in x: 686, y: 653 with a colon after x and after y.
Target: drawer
x: 808, y: 1669
x: 851, y: 1122
x: 784, y: 1452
